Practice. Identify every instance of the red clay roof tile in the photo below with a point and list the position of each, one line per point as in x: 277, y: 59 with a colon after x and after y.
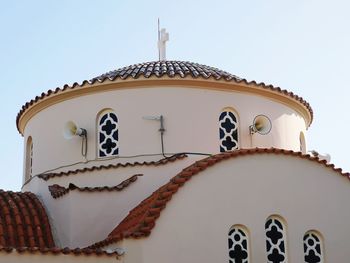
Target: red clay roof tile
x: 57, y: 191
x: 24, y: 227
x: 141, y: 219
x: 23, y: 221
x: 47, y: 176
x: 58, y: 251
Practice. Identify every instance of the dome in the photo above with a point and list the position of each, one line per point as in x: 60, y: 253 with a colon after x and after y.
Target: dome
x: 161, y: 70
x: 167, y: 68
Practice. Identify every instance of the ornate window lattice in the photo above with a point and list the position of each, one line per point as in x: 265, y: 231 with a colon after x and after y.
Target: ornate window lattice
x: 29, y: 158
x: 228, y: 131
x: 108, y: 137
x: 275, y: 241
x: 312, y: 248
x: 238, y: 245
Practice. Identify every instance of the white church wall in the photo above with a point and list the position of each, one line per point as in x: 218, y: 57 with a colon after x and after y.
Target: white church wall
x: 247, y: 190
x: 79, y: 219
x: 191, y: 122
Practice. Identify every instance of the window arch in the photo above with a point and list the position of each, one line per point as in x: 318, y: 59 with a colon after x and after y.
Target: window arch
x: 108, y: 134
x: 29, y: 158
x: 275, y: 240
x: 313, y: 252
x: 238, y: 244
x: 302, y: 143
x: 228, y: 130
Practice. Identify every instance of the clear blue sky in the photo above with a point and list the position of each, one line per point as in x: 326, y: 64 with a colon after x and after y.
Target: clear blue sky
x: 300, y: 45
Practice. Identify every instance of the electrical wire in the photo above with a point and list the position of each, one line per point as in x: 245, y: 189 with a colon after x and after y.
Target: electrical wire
x: 84, y: 148
x: 117, y: 157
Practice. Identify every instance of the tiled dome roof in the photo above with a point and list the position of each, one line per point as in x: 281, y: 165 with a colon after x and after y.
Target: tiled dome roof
x: 23, y: 221
x: 164, y: 69
x: 167, y: 68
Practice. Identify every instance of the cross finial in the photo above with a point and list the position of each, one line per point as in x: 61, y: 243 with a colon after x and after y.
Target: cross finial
x: 163, y: 36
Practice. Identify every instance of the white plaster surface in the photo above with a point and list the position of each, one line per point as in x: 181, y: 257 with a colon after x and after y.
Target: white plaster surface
x: 247, y: 190
x: 191, y: 123
x: 80, y: 219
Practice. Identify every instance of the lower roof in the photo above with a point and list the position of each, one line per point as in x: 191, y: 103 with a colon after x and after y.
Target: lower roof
x: 25, y: 228
x: 23, y: 221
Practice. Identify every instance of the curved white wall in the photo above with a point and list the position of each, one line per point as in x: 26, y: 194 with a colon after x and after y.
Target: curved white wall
x: 191, y: 122
x: 247, y: 190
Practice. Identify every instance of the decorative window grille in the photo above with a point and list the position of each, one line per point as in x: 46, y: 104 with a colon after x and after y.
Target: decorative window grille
x: 29, y: 158
x: 228, y: 131
x: 312, y: 248
x: 238, y: 245
x: 275, y: 241
x: 108, y: 137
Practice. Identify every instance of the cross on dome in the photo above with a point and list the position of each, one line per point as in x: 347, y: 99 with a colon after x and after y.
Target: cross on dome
x: 163, y: 36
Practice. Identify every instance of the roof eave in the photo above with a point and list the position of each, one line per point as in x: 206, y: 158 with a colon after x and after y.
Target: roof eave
x: 52, y: 97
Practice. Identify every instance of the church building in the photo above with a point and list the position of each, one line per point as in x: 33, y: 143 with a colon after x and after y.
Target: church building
x: 173, y: 161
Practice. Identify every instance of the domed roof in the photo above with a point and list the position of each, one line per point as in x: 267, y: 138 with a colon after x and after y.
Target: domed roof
x: 176, y: 70
x: 167, y: 68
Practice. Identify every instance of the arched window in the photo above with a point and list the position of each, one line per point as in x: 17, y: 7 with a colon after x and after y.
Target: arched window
x: 275, y: 240
x: 108, y: 137
x: 228, y: 130
x: 29, y: 159
x: 238, y: 245
x: 302, y: 143
x: 313, y: 247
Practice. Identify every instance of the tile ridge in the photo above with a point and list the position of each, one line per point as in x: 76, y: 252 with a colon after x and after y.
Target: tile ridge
x: 57, y: 191
x: 47, y: 176
x: 61, y: 251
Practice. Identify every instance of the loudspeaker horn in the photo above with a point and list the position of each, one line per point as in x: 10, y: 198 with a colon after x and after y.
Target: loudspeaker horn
x: 261, y: 124
x: 71, y: 129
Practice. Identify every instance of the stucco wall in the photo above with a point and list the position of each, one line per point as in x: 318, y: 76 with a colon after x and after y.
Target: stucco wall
x: 79, y: 219
x: 246, y: 190
x: 191, y: 123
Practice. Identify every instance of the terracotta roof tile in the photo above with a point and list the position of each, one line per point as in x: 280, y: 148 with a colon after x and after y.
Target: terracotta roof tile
x: 142, y: 218
x: 166, y: 68
x: 58, y: 191
x: 60, y: 251
x: 162, y: 69
x: 163, y: 161
x: 23, y: 221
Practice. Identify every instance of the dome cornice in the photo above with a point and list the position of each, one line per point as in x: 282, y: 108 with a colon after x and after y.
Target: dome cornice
x: 165, y: 73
